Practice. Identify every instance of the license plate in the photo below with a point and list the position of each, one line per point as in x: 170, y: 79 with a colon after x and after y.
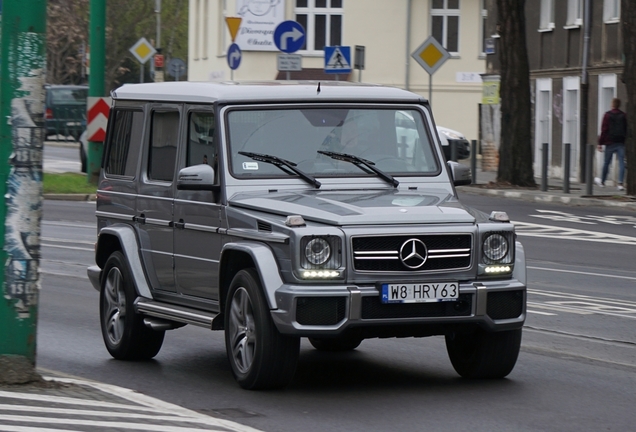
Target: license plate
x: 420, y: 292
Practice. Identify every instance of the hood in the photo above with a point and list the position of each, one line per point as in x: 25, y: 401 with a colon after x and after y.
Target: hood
x: 360, y: 207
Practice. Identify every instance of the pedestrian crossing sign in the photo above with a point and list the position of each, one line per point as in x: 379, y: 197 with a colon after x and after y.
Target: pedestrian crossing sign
x: 338, y: 59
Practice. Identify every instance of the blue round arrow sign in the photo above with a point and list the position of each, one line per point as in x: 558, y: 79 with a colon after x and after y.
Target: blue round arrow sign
x: 234, y: 56
x: 289, y: 36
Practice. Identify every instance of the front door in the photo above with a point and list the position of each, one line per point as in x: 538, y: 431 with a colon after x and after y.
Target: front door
x: 197, y: 245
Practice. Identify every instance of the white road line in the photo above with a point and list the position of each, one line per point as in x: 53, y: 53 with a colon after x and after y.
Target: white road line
x: 540, y: 313
x: 558, y: 308
x: 550, y: 231
x: 603, y: 275
x: 70, y: 224
x: 67, y: 247
x: 59, y: 240
x: 95, y: 413
x: 107, y: 424
x: 8, y: 428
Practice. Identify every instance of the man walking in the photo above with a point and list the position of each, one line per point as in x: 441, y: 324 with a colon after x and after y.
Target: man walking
x: 613, y: 133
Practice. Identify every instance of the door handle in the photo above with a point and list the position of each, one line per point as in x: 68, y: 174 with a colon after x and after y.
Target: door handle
x: 180, y: 224
x: 141, y: 218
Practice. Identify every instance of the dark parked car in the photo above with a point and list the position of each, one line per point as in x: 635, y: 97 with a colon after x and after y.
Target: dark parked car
x: 65, y: 110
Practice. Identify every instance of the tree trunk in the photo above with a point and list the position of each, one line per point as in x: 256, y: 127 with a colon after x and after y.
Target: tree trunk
x: 628, y: 19
x: 515, y: 149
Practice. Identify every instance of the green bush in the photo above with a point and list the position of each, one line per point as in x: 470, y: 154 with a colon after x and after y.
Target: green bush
x: 66, y: 183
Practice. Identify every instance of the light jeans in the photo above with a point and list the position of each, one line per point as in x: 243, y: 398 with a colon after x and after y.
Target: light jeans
x: 619, y: 149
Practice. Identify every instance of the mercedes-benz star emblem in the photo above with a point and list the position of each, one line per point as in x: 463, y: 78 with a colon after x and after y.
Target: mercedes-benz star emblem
x: 413, y: 253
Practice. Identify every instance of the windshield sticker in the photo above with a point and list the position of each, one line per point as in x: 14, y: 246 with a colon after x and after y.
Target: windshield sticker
x: 250, y: 166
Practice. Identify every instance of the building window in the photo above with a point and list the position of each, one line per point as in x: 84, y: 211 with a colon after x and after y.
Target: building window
x: 445, y: 24
x: 322, y: 20
x: 611, y: 11
x: 575, y: 13
x: 547, y: 15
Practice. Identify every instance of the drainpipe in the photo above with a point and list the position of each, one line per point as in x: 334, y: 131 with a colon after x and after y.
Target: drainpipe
x: 585, y: 164
x: 407, y: 79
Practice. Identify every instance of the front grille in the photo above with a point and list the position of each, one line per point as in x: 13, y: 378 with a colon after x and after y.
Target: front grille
x: 320, y: 310
x: 373, y: 308
x: 505, y: 304
x: 382, y: 253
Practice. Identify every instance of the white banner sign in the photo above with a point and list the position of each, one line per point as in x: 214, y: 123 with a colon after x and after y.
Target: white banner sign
x: 259, y: 20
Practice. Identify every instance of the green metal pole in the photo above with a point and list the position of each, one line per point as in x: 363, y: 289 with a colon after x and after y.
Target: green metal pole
x: 97, y: 40
x: 22, y: 79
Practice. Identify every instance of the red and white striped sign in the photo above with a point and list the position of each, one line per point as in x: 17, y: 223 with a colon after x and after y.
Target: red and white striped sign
x: 97, y: 118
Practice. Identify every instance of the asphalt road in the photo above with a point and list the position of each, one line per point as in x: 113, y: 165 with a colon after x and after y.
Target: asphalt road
x: 576, y: 371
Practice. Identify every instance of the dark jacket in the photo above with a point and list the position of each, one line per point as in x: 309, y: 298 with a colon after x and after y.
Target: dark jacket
x: 604, y: 138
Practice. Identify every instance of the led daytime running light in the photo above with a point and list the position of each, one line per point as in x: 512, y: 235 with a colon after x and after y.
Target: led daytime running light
x: 320, y: 274
x: 498, y: 269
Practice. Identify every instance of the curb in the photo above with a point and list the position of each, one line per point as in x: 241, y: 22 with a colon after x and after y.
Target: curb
x: 547, y: 198
x: 70, y: 197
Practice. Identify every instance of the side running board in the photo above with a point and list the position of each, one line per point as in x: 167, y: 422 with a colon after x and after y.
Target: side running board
x: 171, y: 316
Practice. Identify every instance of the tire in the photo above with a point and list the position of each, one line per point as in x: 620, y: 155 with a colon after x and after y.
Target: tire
x: 336, y: 344
x: 125, y: 335
x: 260, y: 356
x: 484, y: 355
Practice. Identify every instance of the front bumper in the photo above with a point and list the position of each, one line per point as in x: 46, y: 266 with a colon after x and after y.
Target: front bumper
x: 336, y: 310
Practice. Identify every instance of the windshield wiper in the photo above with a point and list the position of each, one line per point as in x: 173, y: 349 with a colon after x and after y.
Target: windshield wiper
x: 364, y: 164
x: 284, y: 165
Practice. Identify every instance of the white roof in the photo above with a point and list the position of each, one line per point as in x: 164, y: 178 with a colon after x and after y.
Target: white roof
x: 266, y: 91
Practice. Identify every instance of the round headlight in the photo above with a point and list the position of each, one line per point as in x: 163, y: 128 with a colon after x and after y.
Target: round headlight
x: 317, y: 251
x: 495, y: 247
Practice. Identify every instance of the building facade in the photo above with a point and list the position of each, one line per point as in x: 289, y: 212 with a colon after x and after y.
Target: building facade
x: 556, y: 33
x: 389, y: 31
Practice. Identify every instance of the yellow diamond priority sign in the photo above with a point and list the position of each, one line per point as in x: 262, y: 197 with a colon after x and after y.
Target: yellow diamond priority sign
x: 431, y: 55
x: 142, y: 50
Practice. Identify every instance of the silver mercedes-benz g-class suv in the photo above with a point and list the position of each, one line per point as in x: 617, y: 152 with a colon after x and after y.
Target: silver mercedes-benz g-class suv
x: 280, y: 210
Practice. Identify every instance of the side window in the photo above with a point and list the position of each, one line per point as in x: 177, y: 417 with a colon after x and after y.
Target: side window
x: 125, y: 140
x: 201, y: 145
x: 163, y: 145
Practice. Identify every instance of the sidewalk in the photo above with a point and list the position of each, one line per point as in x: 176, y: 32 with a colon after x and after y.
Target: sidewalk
x: 608, y: 196
x: 69, y: 404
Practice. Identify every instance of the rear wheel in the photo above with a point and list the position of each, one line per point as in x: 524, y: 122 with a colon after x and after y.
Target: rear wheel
x: 260, y: 356
x: 482, y: 354
x: 336, y: 344
x: 124, y: 332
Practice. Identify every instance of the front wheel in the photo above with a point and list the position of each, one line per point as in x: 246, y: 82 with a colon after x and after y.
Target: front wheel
x: 482, y: 354
x: 125, y: 335
x: 260, y: 356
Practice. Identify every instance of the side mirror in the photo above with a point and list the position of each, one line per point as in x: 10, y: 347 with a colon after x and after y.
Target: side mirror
x: 460, y: 173
x: 196, y: 177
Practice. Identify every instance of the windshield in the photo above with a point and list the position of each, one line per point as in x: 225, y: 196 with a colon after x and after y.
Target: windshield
x: 393, y: 140
x: 69, y: 96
